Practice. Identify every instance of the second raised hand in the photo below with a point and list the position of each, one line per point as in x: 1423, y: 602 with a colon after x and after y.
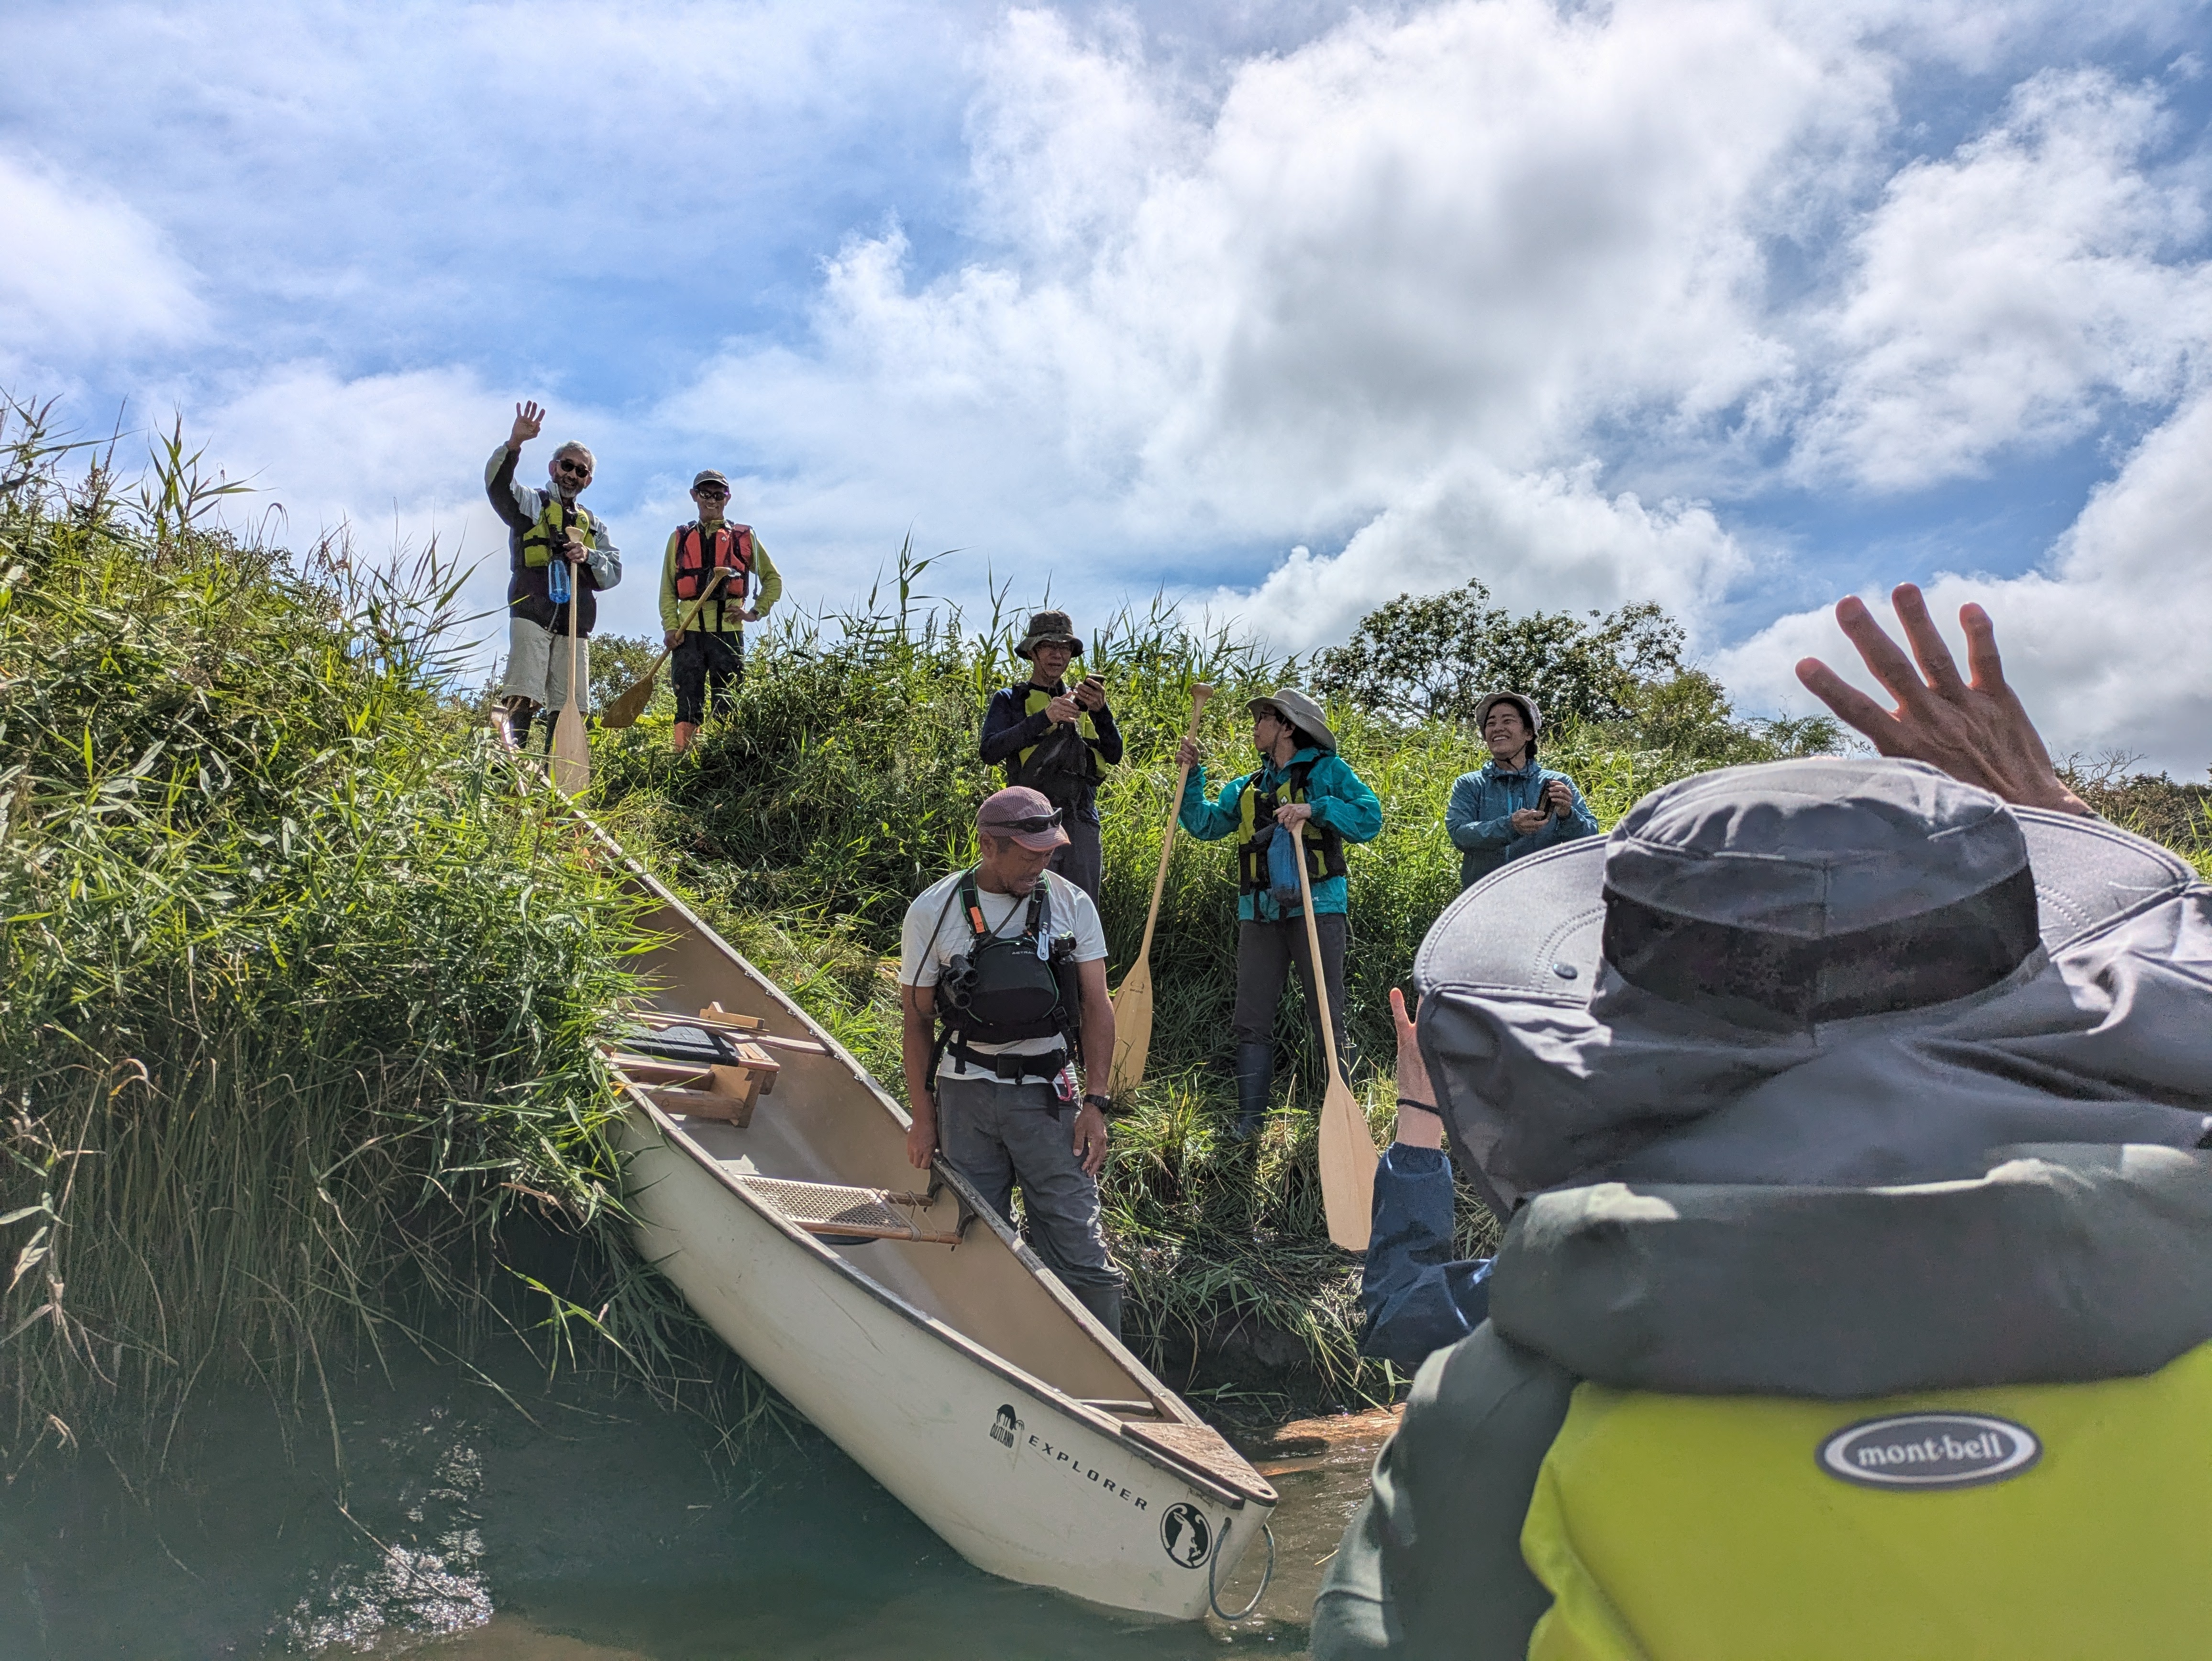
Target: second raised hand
x: 1978, y: 731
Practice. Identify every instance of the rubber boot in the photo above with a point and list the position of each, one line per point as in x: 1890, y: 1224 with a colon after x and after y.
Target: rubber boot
x: 549, y: 718
x: 1255, y: 1073
x: 515, y: 721
x: 685, y: 731
x: 1105, y: 1303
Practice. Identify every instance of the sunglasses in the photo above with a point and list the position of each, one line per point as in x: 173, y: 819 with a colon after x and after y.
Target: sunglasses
x: 575, y: 467
x: 1028, y: 827
x: 714, y: 491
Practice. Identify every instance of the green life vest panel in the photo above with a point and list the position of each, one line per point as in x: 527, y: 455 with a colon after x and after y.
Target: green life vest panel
x: 1255, y: 826
x: 550, y: 528
x: 2025, y: 1523
x: 1069, y: 764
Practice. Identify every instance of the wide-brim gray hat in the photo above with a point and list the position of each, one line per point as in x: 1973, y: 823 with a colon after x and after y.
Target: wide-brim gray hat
x: 1301, y: 711
x: 1048, y: 626
x: 1828, y: 971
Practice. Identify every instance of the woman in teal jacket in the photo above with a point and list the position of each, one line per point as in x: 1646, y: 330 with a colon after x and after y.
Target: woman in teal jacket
x: 1304, y: 790
x: 1510, y: 807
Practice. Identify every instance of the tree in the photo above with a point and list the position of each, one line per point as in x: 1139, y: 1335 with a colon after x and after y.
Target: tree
x: 1438, y: 656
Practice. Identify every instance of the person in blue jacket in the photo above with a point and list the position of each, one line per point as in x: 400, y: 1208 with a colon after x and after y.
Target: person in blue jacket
x: 1418, y: 1294
x: 1304, y: 790
x: 1510, y: 805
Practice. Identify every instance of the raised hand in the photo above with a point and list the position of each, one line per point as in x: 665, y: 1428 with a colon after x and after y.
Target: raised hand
x: 529, y: 421
x: 1415, y: 1128
x: 1976, y: 731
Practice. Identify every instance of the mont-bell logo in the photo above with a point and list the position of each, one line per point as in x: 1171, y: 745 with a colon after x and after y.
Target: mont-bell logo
x: 1930, y: 1451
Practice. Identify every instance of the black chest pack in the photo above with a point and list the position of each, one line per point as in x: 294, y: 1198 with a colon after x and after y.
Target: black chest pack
x: 1003, y: 988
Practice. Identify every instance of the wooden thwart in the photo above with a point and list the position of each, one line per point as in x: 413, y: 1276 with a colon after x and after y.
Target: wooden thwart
x: 872, y: 1214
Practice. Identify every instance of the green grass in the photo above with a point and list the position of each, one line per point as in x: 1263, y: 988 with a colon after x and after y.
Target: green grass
x: 301, y: 983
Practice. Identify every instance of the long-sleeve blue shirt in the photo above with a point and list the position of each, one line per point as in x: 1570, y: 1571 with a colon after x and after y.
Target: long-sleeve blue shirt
x: 1337, y: 795
x: 1417, y: 1297
x: 1479, y: 818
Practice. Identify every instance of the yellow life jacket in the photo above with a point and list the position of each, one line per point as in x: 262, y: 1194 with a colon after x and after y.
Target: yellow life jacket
x: 2018, y: 1522
x: 550, y: 530
x: 1324, y: 847
x: 1086, y: 729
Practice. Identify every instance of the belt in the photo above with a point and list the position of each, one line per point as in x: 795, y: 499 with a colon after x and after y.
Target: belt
x: 1010, y: 1069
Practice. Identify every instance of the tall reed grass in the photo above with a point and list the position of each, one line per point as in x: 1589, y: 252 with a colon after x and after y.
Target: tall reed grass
x: 299, y: 980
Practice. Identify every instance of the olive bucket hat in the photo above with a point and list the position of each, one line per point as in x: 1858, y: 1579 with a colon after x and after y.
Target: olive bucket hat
x: 1301, y: 711
x: 1833, y: 971
x: 1048, y: 627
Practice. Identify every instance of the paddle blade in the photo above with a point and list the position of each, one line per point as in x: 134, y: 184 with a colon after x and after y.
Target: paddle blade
x: 1132, y: 1031
x: 625, y: 709
x: 572, y: 753
x: 1347, y: 1167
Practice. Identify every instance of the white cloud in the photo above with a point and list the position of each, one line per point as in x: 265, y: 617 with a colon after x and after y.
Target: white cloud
x: 82, y: 272
x: 1998, y: 292
x: 2106, y: 642
x: 1549, y: 541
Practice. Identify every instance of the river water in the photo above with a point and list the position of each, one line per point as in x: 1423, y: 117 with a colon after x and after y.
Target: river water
x: 570, y: 1525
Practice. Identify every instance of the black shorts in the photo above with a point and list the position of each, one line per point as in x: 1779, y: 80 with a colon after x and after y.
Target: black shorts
x: 704, y: 660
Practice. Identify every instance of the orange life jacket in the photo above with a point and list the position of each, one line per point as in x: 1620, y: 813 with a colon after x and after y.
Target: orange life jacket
x: 732, y: 547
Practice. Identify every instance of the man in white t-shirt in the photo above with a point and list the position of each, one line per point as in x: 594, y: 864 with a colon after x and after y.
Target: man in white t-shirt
x: 1026, y: 958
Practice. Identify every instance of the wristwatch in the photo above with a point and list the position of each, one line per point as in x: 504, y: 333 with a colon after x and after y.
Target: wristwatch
x: 1103, y: 1103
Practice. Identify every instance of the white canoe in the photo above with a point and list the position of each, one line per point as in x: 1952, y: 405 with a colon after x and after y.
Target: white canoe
x: 955, y: 1370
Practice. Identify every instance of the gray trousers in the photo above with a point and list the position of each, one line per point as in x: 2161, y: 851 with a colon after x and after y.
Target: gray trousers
x: 997, y: 1134
x: 1083, y: 860
x: 1266, y: 954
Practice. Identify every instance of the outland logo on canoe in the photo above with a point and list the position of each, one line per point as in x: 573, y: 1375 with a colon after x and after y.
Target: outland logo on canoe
x: 1930, y: 1451
x: 1186, y: 1534
x: 1007, y: 1428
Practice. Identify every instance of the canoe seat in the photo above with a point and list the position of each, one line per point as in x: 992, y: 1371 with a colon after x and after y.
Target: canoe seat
x: 867, y: 1214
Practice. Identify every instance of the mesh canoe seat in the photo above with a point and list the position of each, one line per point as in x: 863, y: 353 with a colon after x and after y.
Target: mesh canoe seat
x: 833, y: 1208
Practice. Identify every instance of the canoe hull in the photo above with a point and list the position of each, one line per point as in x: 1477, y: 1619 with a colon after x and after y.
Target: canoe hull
x: 1017, y: 1479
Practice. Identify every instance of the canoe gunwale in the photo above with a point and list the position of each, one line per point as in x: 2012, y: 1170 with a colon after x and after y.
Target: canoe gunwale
x: 1164, y: 1402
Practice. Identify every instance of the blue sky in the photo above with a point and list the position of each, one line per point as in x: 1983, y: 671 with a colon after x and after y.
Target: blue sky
x: 1284, y: 308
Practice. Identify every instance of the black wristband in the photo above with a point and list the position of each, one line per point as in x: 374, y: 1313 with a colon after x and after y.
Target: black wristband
x: 1103, y: 1103
x: 1426, y: 1107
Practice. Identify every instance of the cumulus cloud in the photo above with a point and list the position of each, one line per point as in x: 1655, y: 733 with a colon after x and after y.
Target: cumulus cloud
x: 2106, y: 642
x: 82, y: 272
x: 1997, y: 292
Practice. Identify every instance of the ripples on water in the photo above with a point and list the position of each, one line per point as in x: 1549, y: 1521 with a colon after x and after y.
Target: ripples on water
x: 463, y: 1530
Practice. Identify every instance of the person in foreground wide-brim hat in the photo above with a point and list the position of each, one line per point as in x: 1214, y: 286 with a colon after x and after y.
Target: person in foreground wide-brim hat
x: 1304, y: 797
x: 1510, y: 807
x: 1002, y: 984
x: 707, y: 657
x: 1850, y: 1116
x: 1057, y: 739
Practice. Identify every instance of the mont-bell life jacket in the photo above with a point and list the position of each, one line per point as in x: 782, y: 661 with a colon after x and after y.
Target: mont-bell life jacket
x: 1062, y: 765
x: 2030, y: 1522
x: 1256, y: 827
x: 1003, y: 988
x: 700, y: 553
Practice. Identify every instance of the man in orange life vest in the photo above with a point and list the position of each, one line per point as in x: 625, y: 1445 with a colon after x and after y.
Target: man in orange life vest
x: 710, y: 653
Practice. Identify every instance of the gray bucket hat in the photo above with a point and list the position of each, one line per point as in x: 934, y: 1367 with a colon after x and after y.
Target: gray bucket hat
x: 1831, y: 971
x: 1531, y: 717
x: 1048, y: 626
x: 1301, y: 711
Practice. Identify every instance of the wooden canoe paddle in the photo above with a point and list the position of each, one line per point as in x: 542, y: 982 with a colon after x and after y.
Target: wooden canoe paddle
x: 625, y: 709
x: 572, y: 745
x: 1132, y: 1003
x: 1347, y: 1147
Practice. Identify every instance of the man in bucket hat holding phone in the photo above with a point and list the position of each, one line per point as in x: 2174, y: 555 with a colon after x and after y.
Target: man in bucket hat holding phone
x: 1858, y: 1296
x: 1057, y: 740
